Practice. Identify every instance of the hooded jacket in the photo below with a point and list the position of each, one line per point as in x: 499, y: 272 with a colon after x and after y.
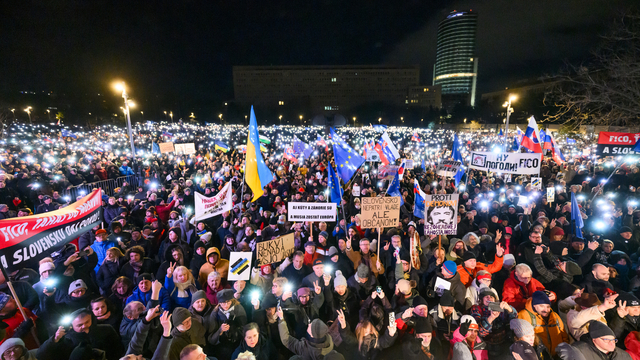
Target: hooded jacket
x: 9, y: 343
x: 221, y: 266
x: 445, y: 326
x: 516, y: 293
x: 479, y: 347
x: 550, y: 332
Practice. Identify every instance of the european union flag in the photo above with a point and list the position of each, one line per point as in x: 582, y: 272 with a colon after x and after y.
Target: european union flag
x: 394, y: 188
x: 300, y: 147
x: 576, y: 218
x: 500, y: 133
x: 516, y: 146
x: 347, y: 160
x: 335, y: 190
x: 455, y: 154
x: 571, y: 141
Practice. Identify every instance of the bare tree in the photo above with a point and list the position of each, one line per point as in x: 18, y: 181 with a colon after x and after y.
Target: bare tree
x: 606, y: 91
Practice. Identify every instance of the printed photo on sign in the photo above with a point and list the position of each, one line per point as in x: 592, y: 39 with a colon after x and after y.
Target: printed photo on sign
x: 239, y: 265
x: 441, y: 213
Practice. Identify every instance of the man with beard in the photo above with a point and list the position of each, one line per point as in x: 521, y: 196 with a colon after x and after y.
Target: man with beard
x: 446, y: 318
x: 441, y: 216
x: 547, y: 324
x: 466, y: 342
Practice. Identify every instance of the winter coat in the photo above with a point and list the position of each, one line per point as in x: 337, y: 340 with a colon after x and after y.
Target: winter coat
x: 445, y: 326
x: 632, y: 344
x: 140, y: 342
x: 176, y: 299
x: 307, y: 349
x: 516, y: 293
x: 195, y: 335
x: 128, y: 271
x: 479, y: 348
x: 468, y: 275
x: 591, y: 352
x: 495, y: 332
x: 348, y: 303
x: 578, y: 321
x: 128, y: 328
x: 412, y: 350
x: 551, y: 332
x: 110, y: 213
x: 163, y: 298
x: 458, y: 290
x: 228, y: 341
x: 107, y: 274
x: 221, y: 266
x: 368, y: 350
x: 208, y: 320
x: 623, y: 327
x: 370, y: 260
x: 264, y: 349
x: 100, y: 248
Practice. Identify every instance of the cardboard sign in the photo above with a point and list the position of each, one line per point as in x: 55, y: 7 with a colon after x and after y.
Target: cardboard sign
x: 272, y: 251
x: 373, y: 156
x: 510, y: 163
x: 166, y: 147
x: 187, y: 148
x: 551, y: 194
x: 239, y: 265
x: 304, y: 211
x: 536, y: 183
x: 441, y: 213
x: 207, y: 207
x: 448, y: 168
x: 380, y: 212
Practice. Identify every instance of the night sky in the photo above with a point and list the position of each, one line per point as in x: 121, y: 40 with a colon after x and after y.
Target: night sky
x: 185, y: 49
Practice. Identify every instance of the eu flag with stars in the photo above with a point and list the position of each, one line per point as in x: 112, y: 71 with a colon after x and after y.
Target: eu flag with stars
x: 455, y: 154
x: 394, y: 188
x: 347, y: 160
x: 335, y: 190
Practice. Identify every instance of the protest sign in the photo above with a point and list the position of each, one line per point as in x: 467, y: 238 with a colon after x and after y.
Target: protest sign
x: 512, y: 163
x: 239, y: 265
x: 269, y: 252
x: 303, y: 211
x: 387, y: 171
x: 536, y: 183
x: 207, y: 207
x: 551, y: 194
x: 379, y: 212
x: 187, y: 148
x: 408, y: 163
x: 26, y: 240
x: 166, y: 147
x: 448, y: 168
x: 616, y: 143
x: 441, y: 214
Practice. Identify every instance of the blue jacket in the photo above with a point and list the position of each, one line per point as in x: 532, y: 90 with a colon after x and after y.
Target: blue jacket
x: 125, y: 170
x: 100, y: 249
x: 144, y: 298
x: 176, y: 301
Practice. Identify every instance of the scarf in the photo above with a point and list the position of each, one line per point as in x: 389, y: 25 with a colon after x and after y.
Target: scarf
x: 136, y: 266
x: 184, y: 287
x: 426, y: 350
x: 227, y: 313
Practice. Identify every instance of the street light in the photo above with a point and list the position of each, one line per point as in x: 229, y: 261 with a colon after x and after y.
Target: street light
x: 379, y: 120
x: 28, y: 111
x: 220, y: 116
x: 279, y: 117
x: 507, y: 104
x: 14, y: 114
x: 171, y: 115
x: 49, y: 114
x: 354, y: 121
x: 121, y: 87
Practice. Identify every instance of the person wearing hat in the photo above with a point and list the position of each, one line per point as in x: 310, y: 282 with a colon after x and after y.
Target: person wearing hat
x: 148, y: 291
x: 137, y: 263
x: 339, y: 261
x: 457, y: 248
x: 231, y: 317
x: 422, y: 346
x: 447, y: 272
x: 626, y: 318
x: 101, y: 245
x: 343, y: 298
x: 318, y: 276
x: 138, y: 240
x: 446, y: 317
x: 16, y: 350
x: 265, y: 316
x: 585, y: 308
x: 15, y: 323
x: 601, y: 344
x: 483, y: 280
x: 215, y: 262
x: 547, y: 324
x: 470, y: 267
x: 492, y: 324
x: 310, y: 254
x: 271, y: 231
x: 524, y: 345
x: 625, y: 241
x: 47, y: 205
x: 186, y: 330
x: 561, y: 276
x: 363, y: 283
x: 316, y: 347
x: 466, y: 341
x: 117, y: 233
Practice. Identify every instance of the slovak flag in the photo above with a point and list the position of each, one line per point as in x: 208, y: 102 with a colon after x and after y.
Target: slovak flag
x: 531, y: 138
x: 289, y: 154
x: 519, y: 134
x: 321, y: 142
x: 401, y: 170
x: 419, y: 195
x: 415, y: 137
x: 556, y: 154
x: 387, y: 151
x: 546, y: 141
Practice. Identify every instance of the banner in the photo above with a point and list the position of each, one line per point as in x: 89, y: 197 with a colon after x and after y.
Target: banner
x: 409, y: 164
x: 441, y: 213
x: 26, y: 240
x: 304, y: 211
x: 207, y: 207
x: 272, y: 251
x: 387, y: 171
x: 239, y: 265
x: 448, y: 168
x: 379, y: 212
x: 187, y: 148
x: 511, y: 163
x: 616, y: 143
x: 166, y: 147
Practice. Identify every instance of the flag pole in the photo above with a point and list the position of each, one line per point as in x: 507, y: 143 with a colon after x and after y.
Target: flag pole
x: 17, y: 300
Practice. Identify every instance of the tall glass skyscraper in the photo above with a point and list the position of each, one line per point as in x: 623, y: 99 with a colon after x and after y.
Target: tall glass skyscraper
x: 456, y: 67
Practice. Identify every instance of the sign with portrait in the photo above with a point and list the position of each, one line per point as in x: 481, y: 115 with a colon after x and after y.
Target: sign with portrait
x: 441, y: 213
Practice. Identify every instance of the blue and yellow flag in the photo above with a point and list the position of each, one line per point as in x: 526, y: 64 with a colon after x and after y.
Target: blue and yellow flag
x: 221, y: 146
x: 347, y: 160
x: 258, y: 174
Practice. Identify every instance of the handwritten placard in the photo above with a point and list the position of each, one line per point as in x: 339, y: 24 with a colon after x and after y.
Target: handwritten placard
x: 380, y: 212
x: 272, y: 251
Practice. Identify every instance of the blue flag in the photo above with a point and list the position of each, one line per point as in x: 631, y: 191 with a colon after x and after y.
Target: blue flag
x: 500, y: 133
x: 516, y: 146
x: 155, y: 148
x: 300, y: 147
x: 576, y: 219
x: 423, y: 167
x: 68, y: 133
x: 347, y: 160
x: 455, y: 154
x: 394, y: 188
x: 335, y: 190
x: 635, y: 148
x: 419, y: 195
x: 571, y: 141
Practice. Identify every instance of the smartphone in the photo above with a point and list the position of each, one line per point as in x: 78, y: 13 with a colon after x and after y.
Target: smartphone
x: 378, y: 289
x: 82, y: 253
x: 392, y: 318
x: 495, y: 306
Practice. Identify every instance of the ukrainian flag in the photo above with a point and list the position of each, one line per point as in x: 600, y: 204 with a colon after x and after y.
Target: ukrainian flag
x: 221, y: 146
x: 257, y: 174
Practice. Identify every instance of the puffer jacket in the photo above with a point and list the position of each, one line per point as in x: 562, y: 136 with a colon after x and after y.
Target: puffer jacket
x: 516, y: 293
x: 632, y: 343
x: 480, y: 351
x: 551, y: 332
x: 221, y: 266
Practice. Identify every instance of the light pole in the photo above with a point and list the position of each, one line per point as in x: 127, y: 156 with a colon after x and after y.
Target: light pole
x: 171, y: 115
x: 14, y: 114
x: 354, y: 121
x: 165, y: 114
x: 28, y: 111
x: 49, y: 114
x: 301, y: 120
x: 507, y: 104
x: 125, y: 96
x: 220, y: 117
x: 279, y: 117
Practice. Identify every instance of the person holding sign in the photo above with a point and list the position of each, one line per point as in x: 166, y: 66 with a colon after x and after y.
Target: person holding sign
x: 365, y: 256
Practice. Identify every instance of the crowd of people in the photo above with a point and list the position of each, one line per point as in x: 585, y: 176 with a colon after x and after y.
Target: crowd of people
x: 517, y: 280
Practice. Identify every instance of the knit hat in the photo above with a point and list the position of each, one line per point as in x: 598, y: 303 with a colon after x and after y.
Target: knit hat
x: 598, y: 330
x: 83, y: 351
x: 318, y: 329
x: 450, y: 267
x: 45, y: 266
x: 473, y: 325
x: 198, y: 244
x: 273, y: 221
x: 508, y: 260
x: 78, y: 284
x: 405, y: 255
x: 339, y: 279
x: 447, y: 299
x: 468, y: 255
x: 419, y: 300
x: 4, y: 299
x: 630, y: 298
x: 225, y: 295
x: 521, y: 327
x: 179, y: 315
x: 485, y: 291
x: 200, y: 294
x: 573, y: 268
x: 206, y: 237
x: 304, y: 291
x: 540, y: 298
x: 144, y: 276
x: 557, y: 247
x: 269, y: 301
x: 483, y: 225
x: 625, y: 229
x: 332, y: 251
x: 9, y: 343
x: 363, y: 271
x: 423, y: 325
x: 556, y: 231
x: 324, y: 234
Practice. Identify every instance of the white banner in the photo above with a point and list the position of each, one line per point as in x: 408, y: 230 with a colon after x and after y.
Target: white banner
x: 187, y: 148
x: 511, y: 163
x: 303, y: 211
x: 207, y: 207
x: 441, y: 213
x: 448, y: 168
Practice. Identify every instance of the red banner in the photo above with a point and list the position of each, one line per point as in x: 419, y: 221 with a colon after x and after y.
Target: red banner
x: 26, y: 240
x: 616, y: 143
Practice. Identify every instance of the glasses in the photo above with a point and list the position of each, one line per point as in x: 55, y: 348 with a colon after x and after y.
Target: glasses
x: 609, y: 340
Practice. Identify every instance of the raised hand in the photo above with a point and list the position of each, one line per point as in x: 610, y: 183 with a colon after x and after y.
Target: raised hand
x: 341, y: 319
x: 622, y: 309
x: 165, y: 321
x: 539, y: 250
x: 386, y: 247
x: 499, y: 250
x: 593, y: 245
x: 170, y: 269
x: 156, y: 286
x: 60, y: 333
x: 317, y: 287
x: 152, y: 313
x: 498, y: 235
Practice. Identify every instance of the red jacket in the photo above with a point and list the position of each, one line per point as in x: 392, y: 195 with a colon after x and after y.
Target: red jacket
x: 633, y: 345
x: 310, y: 258
x: 516, y: 293
x: 14, y: 321
x: 164, y: 211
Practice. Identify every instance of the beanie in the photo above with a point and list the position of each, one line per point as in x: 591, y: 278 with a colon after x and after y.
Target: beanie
x: 83, y: 351
x: 485, y: 291
x: 179, y: 315
x: 269, y: 301
x: 9, y: 343
x: 521, y: 328
x: 198, y: 244
x: 332, y: 251
x: 483, y: 225
x: 303, y: 291
x: 450, y: 267
x: 273, y: 221
x: 573, y: 268
x: 598, y: 329
x: 539, y: 298
x: 423, y: 325
x: 324, y: 234
x: 405, y: 255
x: 319, y: 329
x: 45, y: 266
x: 508, y: 260
x: 625, y: 229
x: 363, y: 271
x: 468, y: 255
x: 200, y: 294
x: 447, y: 299
x: 339, y: 280
x: 144, y: 276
